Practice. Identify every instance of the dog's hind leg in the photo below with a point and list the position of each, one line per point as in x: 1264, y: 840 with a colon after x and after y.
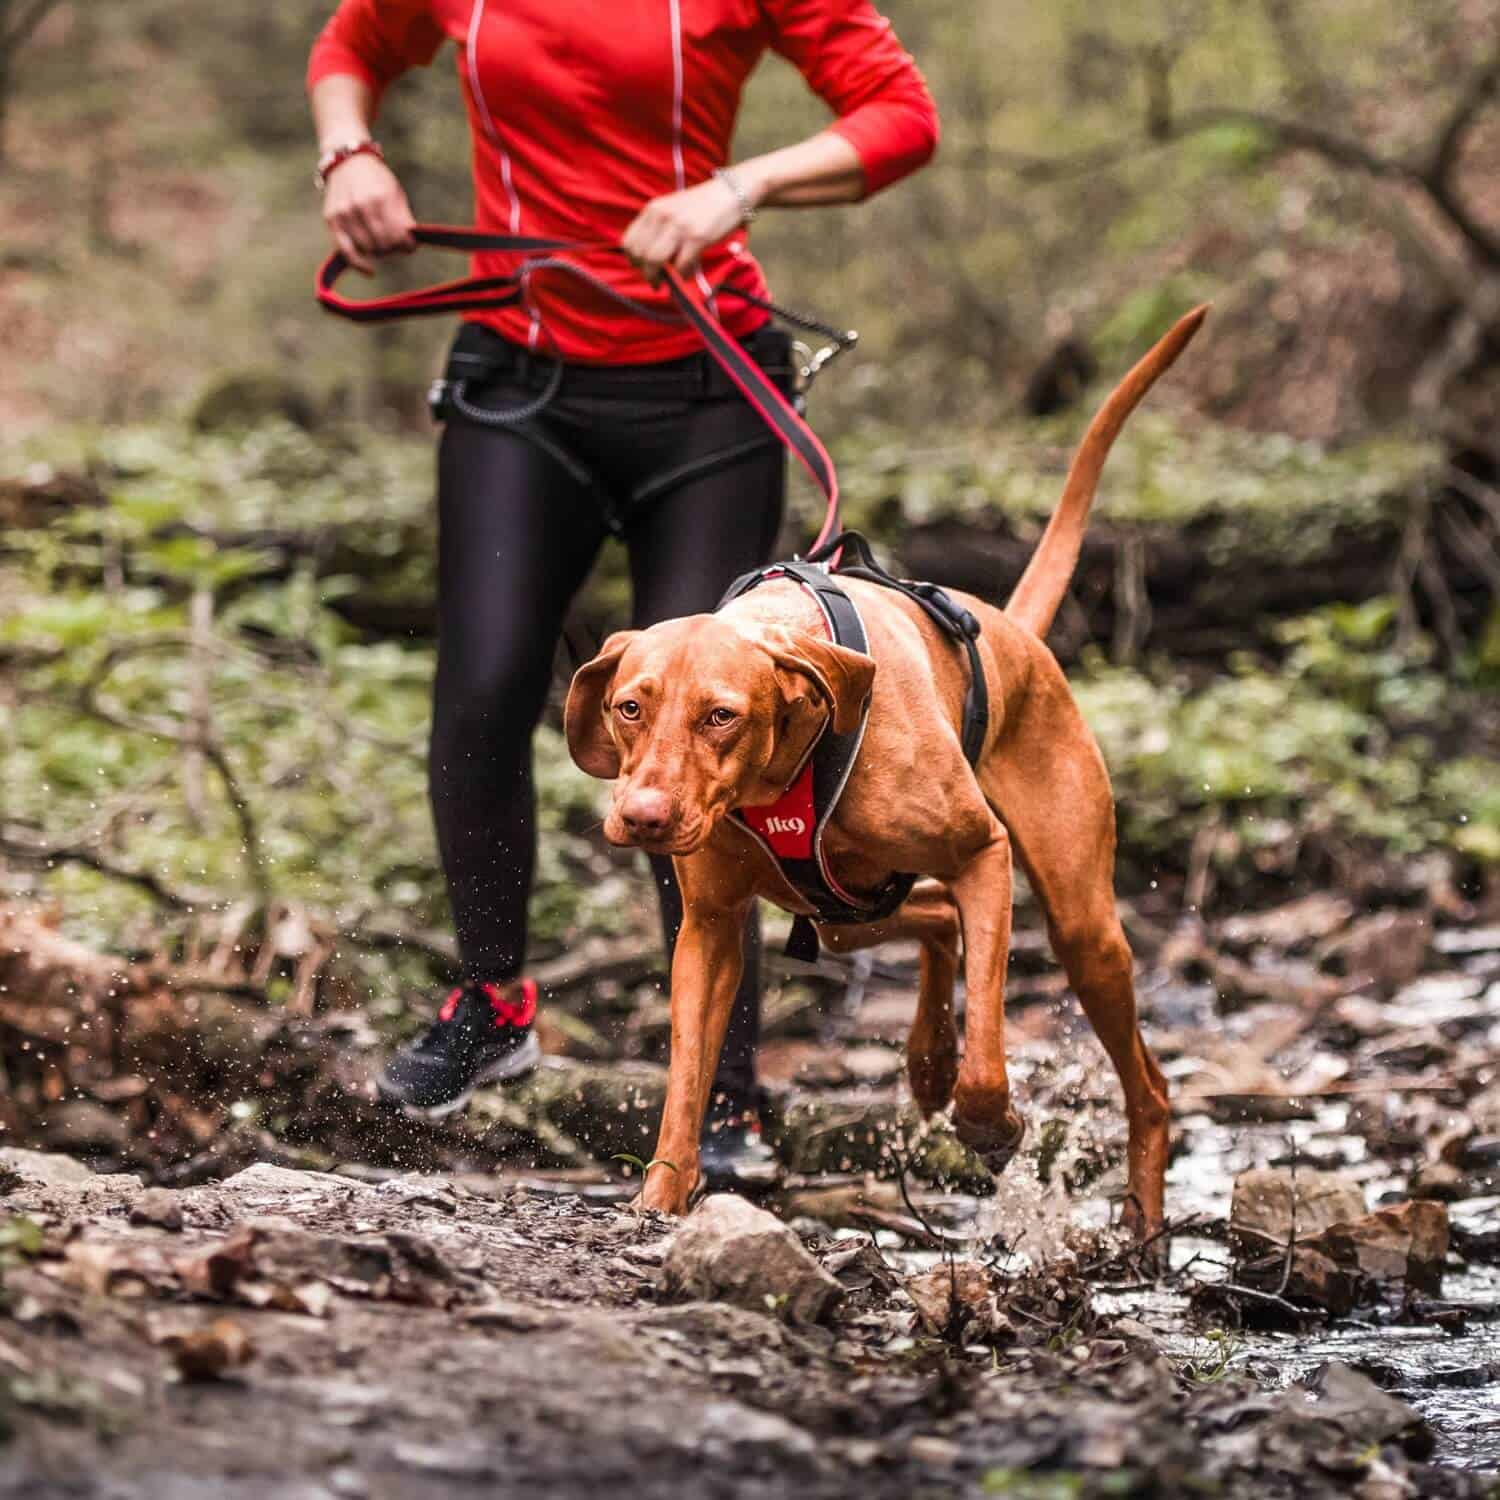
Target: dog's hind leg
x: 1053, y: 792
x: 930, y: 916
x: 983, y: 1115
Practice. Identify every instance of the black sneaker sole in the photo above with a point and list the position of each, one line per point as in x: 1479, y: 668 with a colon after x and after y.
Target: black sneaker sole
x: 515, y: 1064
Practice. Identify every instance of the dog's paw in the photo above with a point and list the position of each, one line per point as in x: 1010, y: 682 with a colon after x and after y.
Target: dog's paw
x: 993, y: 1147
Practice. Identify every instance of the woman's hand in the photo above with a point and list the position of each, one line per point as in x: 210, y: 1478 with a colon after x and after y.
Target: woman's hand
x: 365, y: 209
x: 676, y: 229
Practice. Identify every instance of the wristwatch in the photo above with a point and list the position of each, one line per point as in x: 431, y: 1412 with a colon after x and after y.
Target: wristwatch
x: 336, y: 156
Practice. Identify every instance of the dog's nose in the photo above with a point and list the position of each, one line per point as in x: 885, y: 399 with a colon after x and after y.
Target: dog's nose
x: 646, y: 814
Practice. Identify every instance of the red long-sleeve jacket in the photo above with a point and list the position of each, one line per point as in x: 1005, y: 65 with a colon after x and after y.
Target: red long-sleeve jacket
x: 583, y: 110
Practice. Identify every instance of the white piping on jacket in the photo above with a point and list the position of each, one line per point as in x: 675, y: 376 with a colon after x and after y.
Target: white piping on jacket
x: 471, y: 64
x: 675, y: 7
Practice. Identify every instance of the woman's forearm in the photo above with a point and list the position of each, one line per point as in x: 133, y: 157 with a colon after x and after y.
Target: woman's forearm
x: 824, y: 168
x: 677, y: 228
x: 343, y: 108
x: 364, y: 205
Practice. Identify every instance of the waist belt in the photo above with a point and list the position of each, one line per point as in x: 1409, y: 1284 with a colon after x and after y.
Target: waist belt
x: 480, y: 357
x: 791, y: 829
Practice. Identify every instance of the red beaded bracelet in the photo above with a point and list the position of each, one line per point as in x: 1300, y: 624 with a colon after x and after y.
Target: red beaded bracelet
x: 336, y: 156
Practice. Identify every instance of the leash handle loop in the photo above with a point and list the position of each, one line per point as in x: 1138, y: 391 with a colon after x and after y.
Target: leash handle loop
x: 473, y: 293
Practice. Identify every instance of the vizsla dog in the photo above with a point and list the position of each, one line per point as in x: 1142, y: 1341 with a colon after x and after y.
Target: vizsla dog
x: 699, y: 716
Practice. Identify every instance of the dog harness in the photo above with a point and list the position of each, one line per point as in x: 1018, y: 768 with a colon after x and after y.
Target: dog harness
x: 791, y: 829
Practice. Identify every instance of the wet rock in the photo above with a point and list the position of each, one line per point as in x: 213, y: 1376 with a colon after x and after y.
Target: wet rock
x: 1355, y: 1409
x: 1262, y: 1213
x: 1289, y: 927
x: 1440, y: 1181
x: 1260, y: 1109
x: 587, y: 1109
x: 848, y: 1132
x: 845, y: 1205
x: 1388, y: 949
x: 1479, y: 1153
x: 1314, y: 1281
x: 82, y: 1125
x: 47, y: 1168
x: 860, y: 1267
x: 1405, y: 1244
x: 728, y: 1250
x: 159, y: 1207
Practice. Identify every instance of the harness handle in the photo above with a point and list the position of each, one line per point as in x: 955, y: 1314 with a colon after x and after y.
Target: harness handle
x: 472, y: 293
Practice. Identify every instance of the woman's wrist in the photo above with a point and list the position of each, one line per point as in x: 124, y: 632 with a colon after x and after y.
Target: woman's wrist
x: 332, y: 157
x: 733, y: 182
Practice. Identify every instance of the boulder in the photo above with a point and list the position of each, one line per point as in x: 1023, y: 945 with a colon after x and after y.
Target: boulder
x: 158, y: 1208
x: 45, y: 1167
x: 1389, y: 948
x: 1406, y: 1244
x: 730, y: 1251
x: 1336, y: 1408
x: 84, y: 1126
x: 1440, y: 1181
x: 1315, y: 1280
x: 1261, y: 1212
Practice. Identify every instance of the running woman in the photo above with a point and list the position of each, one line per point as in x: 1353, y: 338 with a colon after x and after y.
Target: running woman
x: 602, y: 123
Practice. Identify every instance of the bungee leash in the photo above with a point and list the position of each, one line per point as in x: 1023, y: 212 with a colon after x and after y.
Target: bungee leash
x: 472, y: 293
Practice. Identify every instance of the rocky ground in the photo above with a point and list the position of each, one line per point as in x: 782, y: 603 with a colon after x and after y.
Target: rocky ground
x: 298, y: 1333
x: 476, y: 1305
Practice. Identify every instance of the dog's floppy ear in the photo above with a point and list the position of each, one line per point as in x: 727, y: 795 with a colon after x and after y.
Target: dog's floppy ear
x: 589, y: 739
x: 841, y: 677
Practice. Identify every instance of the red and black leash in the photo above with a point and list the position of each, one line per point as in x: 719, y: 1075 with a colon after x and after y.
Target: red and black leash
x: 471, y: 293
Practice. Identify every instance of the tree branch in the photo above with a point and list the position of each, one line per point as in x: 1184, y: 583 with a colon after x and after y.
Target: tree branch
x: 1448, y: 143
x: 32, y: 852
x: 16, y: 36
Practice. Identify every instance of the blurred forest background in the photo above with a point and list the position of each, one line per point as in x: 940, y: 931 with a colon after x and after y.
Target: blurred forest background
x: 217, y: 545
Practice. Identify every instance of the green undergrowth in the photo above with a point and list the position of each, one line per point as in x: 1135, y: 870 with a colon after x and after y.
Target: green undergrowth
x: 1263, y: 493
x: 183, y: 761
x: 1355, y: 740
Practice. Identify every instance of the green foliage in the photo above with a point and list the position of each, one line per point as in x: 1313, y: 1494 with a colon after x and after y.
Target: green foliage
x: 1212, y: 1356
x: 321, y: 729
x: 640, y: 1165
x: 316, y: 792
x: 1264, y: 493
x: 1350, y: 741
x: 1060, y: 1484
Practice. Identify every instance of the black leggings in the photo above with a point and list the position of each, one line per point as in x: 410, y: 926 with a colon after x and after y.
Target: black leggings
x: 519, y: 530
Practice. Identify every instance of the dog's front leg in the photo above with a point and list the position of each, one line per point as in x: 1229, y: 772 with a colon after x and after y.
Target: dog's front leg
x: 706, y: 971
x: 982, y: 1112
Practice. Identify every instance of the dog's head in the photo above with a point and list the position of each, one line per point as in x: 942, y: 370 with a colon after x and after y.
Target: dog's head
x: 697, y: 716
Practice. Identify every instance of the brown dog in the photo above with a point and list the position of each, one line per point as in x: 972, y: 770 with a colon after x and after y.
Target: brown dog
x: 701, y: 715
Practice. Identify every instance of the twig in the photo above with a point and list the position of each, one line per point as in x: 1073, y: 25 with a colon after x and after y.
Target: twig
x: 1188, y: 1222
x: 1291, y: 1239
x: 74, y: 854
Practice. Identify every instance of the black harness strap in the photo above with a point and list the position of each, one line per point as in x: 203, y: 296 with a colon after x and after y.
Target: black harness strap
x: 952, y: 619
x: 797, y: 821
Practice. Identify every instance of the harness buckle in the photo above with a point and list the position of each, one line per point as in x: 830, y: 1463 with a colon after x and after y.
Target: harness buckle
x: 437, y: 398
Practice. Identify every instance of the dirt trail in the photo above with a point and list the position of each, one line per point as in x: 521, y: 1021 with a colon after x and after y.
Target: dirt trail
x: 414, y: 1338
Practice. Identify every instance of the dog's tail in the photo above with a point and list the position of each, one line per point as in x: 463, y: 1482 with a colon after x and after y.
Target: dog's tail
x: 1047, y: 575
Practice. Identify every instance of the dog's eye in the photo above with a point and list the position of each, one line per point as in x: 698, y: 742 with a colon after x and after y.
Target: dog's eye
x: 628, y: 709
x: 719, y: 717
